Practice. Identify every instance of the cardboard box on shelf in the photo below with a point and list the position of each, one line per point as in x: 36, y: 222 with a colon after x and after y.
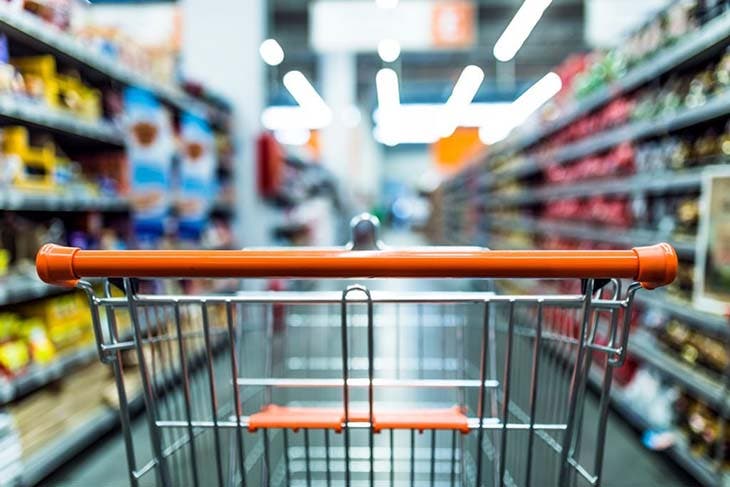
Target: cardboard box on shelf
x: 49, y: 413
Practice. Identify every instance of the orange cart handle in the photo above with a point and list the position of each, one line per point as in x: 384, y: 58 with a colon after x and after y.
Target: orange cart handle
x: 653, y: 266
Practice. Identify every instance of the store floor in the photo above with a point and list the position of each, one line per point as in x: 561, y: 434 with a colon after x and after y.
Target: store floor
x: 627, y: 462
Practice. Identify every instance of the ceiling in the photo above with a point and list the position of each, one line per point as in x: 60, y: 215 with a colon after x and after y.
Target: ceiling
x: 431, y: 74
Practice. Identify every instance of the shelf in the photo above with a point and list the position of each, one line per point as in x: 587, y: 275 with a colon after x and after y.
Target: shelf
x: 628, y: 237
x: 708, y: 37
x: 711, y: 323
x: 679, y: 452
x: 714, y: 108
x: 34, y: 32
x: 18, y: 289
x: 37, y: 376
x: 13, y: 200
x: 73, y: 442
x: 644, y: 346
x: 527, y: 167
x: 104, y: 420
x: 659, y: 182
x: 639, y: 345
x: 223, y: 207
x: 698, y: 467
x: 37, y: 114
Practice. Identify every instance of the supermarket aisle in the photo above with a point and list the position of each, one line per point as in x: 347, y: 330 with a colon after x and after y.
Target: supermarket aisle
x: 627, y: 462
x: 266, y: 122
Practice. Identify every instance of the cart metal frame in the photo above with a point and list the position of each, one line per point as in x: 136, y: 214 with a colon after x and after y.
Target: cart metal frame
x: 211, y: 367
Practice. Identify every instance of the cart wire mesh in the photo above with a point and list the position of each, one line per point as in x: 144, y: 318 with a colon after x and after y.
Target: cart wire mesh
x: 364, y: 387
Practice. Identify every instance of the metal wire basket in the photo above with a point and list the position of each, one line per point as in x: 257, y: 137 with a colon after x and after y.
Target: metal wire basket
x: 362, y: 386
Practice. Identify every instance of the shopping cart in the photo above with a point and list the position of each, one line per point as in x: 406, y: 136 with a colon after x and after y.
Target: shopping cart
x: 362, y: 386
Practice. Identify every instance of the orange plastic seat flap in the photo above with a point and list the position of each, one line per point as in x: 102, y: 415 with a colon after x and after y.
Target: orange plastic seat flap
x: 296, y: 418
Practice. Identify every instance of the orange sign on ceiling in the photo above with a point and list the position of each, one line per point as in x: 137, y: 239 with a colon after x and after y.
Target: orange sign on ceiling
x: 452, y: 24
x: 453, y: 152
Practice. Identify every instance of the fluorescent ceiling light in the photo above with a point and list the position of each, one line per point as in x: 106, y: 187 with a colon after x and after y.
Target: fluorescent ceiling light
x: 467, y: 85
x: 536, y: 96
x: 271, y: 52
x: 521, y: 109
x: 302, y: 90
x: 407, y: 124
x: 414, y: 123
x: 307, y: 97
x: 494, y: 132
x: 386, y: 3
x: 475, y: 114
x: 519, y: 29
x: 405, y: 135
x: 386, y: 83
x: 293, y: 117
x: 472, y: 116
x: 464, y: 91
x: 388, y: 50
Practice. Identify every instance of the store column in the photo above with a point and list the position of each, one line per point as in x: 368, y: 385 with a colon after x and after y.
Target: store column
x: 338, y: 78
x: 220, y: 49
x: 346, y: 141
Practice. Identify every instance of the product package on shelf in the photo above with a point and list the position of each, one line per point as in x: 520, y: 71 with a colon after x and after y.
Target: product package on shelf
x: 33, y: 164
x: 58, y: 91
x: 49, y: 417
x: 624, y: 159
x: 665, y: 30
x: 30, y: 167
x: 703, y: 429
x: 197, y: 177
x: 67, y: 321
x: 38, y: 334
x: 150, y: 149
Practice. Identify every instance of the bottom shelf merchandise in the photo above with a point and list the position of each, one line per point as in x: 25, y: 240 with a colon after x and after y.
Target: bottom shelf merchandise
x: 58, y: 421
x: 673, y: 387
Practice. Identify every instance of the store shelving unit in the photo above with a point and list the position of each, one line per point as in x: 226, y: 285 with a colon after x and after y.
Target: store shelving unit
x: 658, y: 182
x: 482, y: 205
x: 714, y: 108
x: 644, y: 347
x: 34, y: 114
x: 37, y: 376
x: 102, y: 421
x: 34, y: 32
x: 698, y: 467
x: 714, y: 35
x: 68, y: 445
x: 35, y: 35
x: 12, y: 200
x: 18, y: 289
x: 634, y: 237
x: 679, y: 451
x: 714, y: 324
